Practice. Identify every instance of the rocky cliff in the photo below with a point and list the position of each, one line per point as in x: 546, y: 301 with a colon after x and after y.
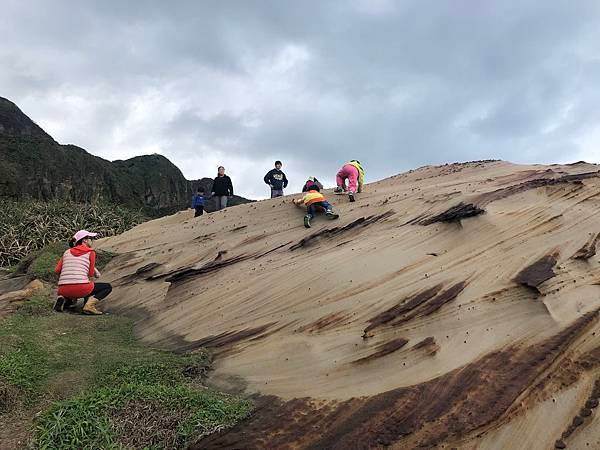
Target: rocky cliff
x: 35, y: 166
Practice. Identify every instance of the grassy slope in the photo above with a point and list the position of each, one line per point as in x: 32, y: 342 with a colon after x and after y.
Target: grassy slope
x: 41, y: 264
x: 96, y: 387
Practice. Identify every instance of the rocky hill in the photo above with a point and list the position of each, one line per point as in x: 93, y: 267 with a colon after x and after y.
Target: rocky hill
x: 448, y: 307
x: 34, y: 166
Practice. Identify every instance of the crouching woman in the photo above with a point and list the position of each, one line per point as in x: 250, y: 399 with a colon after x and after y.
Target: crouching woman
x: 76, y: 269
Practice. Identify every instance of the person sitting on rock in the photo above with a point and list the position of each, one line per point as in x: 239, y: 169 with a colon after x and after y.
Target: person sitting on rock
x: 312, y: 181
x: 198, y: 202
x: 76, y: 268
x: 314, y: 200
x: 355, y: 174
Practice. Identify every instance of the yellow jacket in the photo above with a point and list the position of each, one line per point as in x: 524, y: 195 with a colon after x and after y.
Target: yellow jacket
x: 361, y: 173
x: 312, y: 197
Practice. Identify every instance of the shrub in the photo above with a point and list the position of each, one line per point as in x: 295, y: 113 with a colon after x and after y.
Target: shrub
x: 28, y: 226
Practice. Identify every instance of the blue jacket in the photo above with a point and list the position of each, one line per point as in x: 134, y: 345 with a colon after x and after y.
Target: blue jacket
x: 198, y: 200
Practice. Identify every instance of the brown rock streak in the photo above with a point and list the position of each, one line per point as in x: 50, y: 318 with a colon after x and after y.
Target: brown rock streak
x: 332, y: 232
x: 454, y: 214
x: 402, y: 308
x: 423, y: 415
x: 423, y: 304
x: 383, y: 350
x: 535, y: 274
x: 589, y: 249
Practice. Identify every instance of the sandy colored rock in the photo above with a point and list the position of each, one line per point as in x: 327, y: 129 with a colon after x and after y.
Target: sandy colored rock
x: 451, y: 347
x: 10, y: 301
x: 9, y: 284
x: 31, y: 288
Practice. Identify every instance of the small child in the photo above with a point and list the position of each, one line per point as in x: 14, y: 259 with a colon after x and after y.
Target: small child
x: 355, y: 174
x: 313, y: 199
x: 198, y: 202
x: 312, y: 181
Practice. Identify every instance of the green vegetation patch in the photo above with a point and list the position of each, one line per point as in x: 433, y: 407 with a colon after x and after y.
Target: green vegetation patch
x: 137, y: 416
x: 100, y: 388
x: 44, y: 261
x: 41, y: 264
x: 28, y: 225
x: 24, y: 362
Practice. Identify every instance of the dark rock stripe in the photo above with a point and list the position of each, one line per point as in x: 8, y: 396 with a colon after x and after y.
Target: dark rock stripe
x: 424, y: 415
x: 535, y: 274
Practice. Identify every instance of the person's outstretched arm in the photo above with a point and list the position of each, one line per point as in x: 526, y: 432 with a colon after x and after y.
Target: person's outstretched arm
x: 268, y: 177
x: 285, y: 181
x: 230, y: 187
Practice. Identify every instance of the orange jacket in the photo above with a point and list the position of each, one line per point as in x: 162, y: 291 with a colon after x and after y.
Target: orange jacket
x: 311, y: 197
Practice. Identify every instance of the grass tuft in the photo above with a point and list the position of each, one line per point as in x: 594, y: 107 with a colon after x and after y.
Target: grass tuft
x: 42, y: 263
x: 100, y: 388
x: 96, y: 418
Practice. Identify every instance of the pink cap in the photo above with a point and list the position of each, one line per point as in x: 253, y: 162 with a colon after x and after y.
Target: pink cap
x: 81, y: 234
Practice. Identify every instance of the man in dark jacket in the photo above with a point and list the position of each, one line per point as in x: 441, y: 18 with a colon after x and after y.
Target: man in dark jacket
x: 277, y: 180
x: 222, y: 189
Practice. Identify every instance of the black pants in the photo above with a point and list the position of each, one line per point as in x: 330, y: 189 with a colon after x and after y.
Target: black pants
x: 199, y: 211
x: 101, y: 290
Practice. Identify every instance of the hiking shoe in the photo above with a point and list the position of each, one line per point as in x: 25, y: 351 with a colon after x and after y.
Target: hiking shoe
x: 338, y: 190
x: 307, y: 221
x: 90, y: 308
x: 351, y: 196
x: 59, y: 304
x: 70, y: 303
x: 331, y: 215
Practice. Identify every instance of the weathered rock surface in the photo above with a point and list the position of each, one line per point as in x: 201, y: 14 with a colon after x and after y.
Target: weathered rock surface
x: 377, y: 331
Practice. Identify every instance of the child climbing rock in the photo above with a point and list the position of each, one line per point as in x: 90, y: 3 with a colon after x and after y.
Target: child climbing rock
x: 314, y: 200
x: 355, y: 174
x: 312, y: 181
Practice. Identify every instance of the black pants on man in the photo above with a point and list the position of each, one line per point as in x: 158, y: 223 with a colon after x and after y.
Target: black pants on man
x: 199, y: 211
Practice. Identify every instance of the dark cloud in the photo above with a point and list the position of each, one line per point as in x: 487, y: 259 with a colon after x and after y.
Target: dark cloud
x: 395, y: 84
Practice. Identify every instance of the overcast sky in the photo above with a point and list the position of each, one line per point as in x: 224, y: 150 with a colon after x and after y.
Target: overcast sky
x: 395, y: 84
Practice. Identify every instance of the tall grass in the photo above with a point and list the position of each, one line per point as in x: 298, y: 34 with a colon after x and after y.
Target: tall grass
x: 27, y: 226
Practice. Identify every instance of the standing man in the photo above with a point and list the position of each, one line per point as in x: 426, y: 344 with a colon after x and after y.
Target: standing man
x: 277, y: 180
x: 222, y: 189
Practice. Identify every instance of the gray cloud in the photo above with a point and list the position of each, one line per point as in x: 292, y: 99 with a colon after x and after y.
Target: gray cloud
x: 241, y: 83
